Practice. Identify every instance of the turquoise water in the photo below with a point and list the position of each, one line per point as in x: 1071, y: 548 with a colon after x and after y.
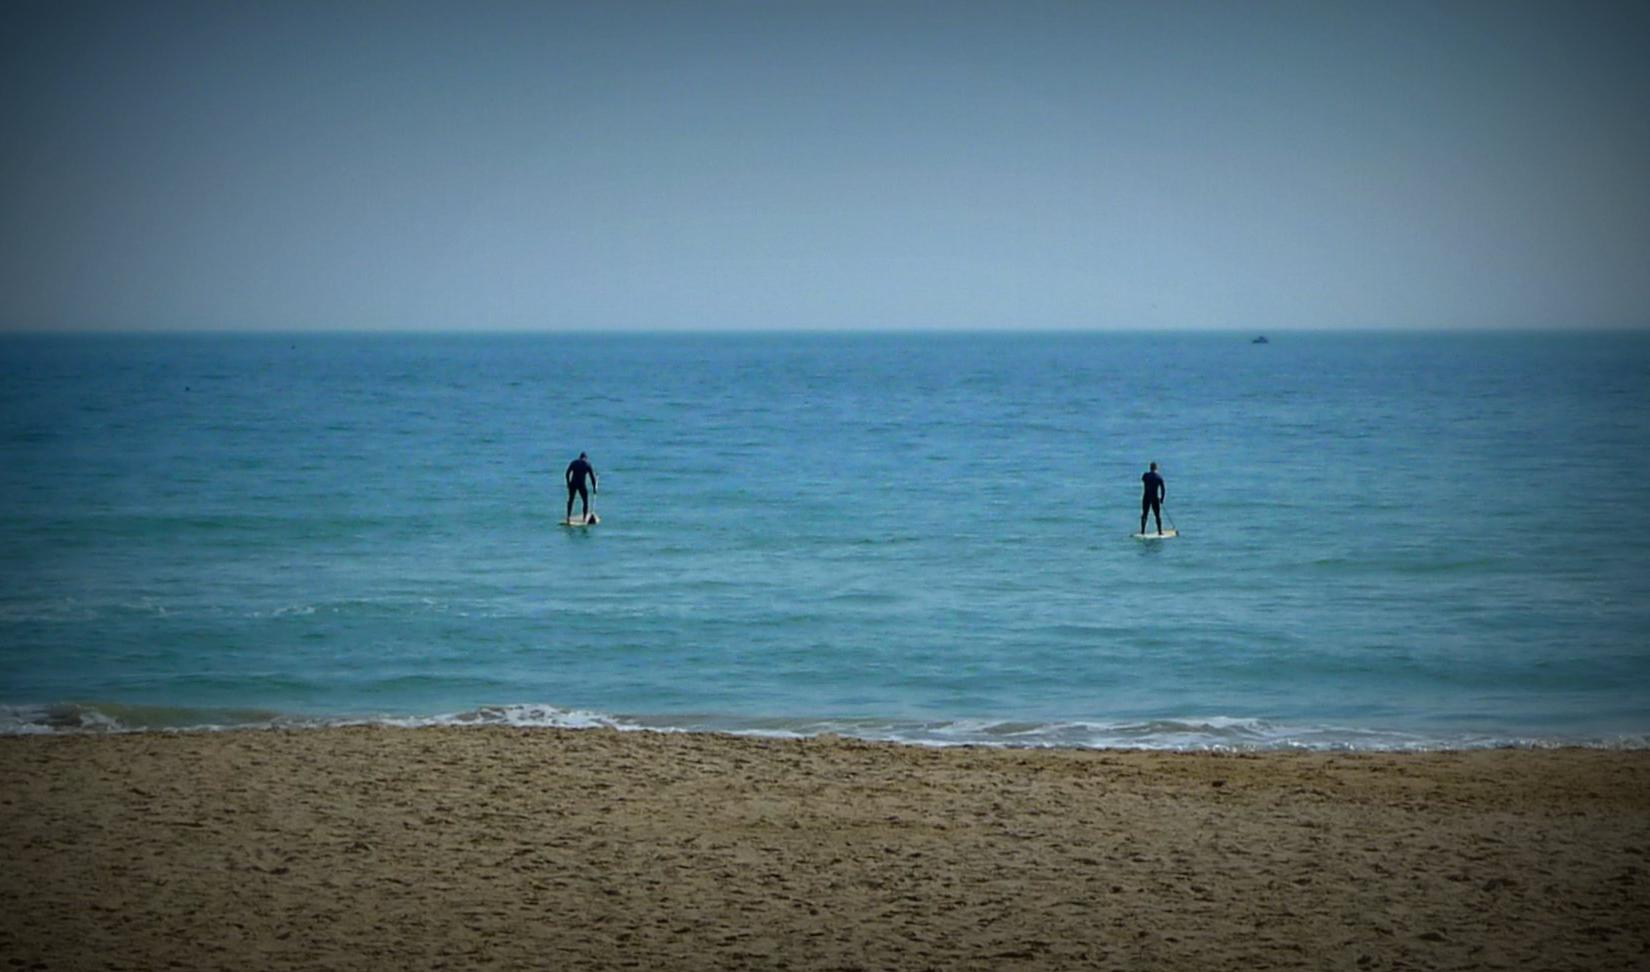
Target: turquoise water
x: 1388, y: 540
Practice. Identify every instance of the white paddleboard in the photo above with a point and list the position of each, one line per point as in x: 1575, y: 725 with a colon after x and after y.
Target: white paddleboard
x: 590, y: 520
x: 1166, y: 534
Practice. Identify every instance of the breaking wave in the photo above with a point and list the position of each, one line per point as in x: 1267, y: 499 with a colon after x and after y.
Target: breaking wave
x: 1185, y: 734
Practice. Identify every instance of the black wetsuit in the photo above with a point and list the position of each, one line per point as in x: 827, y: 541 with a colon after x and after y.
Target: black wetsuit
x: 577, y: 470
x: 1152, y: 502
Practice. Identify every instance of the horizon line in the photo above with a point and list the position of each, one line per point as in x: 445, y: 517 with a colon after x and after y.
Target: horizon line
x: 622, y: 331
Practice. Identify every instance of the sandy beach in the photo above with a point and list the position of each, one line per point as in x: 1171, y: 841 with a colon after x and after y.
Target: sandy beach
x: 367, y: 848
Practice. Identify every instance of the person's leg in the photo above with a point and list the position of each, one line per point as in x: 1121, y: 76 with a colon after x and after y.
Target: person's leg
x: 570, y: 492
x: 1145, y: 507
x: 1157, y: 511
x: 584, y: 499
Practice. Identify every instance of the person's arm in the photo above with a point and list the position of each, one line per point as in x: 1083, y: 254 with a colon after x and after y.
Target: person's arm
x: 1162, y: 490
x: 594, y: 488
x: 567, y: 477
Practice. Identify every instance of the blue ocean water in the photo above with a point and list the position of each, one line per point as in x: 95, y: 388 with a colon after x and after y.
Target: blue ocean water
x: 1388, y: 540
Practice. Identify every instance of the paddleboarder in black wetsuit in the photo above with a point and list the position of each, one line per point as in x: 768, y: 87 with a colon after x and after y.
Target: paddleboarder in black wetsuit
x: 577, y: 471
x: 1151, y: 503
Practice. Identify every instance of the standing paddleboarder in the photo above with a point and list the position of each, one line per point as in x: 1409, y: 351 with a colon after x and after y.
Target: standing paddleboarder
x: 1152, y: 502
x: 577, y: 472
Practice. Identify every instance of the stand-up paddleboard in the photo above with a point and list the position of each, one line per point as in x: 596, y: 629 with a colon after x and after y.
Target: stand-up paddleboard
x: 1166, y: 534
x: 590, y: 520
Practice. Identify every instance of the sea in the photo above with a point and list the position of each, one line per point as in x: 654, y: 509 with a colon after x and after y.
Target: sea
x: 1387, y: 540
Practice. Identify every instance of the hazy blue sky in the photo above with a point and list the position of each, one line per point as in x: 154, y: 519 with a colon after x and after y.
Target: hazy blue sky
x: 824, y: 165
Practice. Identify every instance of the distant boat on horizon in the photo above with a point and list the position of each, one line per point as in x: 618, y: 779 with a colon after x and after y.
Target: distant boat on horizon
x: 1260, y: 340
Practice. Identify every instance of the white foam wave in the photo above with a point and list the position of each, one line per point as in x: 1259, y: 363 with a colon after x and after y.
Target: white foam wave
x: 519, y: 716
x: 1210, y: 733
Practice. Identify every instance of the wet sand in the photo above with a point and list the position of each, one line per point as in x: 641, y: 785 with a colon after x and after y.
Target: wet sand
x: 378, y: 848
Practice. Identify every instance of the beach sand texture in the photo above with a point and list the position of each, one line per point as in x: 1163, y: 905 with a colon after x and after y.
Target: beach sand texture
x: 377, y: 848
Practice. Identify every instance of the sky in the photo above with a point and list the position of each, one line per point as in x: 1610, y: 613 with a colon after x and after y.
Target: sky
x: 894, y: 165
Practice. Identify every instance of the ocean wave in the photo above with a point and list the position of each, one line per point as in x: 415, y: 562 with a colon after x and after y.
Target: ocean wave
x: 1214, y: 733
x: 78, y: 717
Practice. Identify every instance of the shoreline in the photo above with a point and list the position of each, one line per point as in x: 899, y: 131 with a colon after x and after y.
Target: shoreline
x: 371, y: 847
x: 1159, y: 734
